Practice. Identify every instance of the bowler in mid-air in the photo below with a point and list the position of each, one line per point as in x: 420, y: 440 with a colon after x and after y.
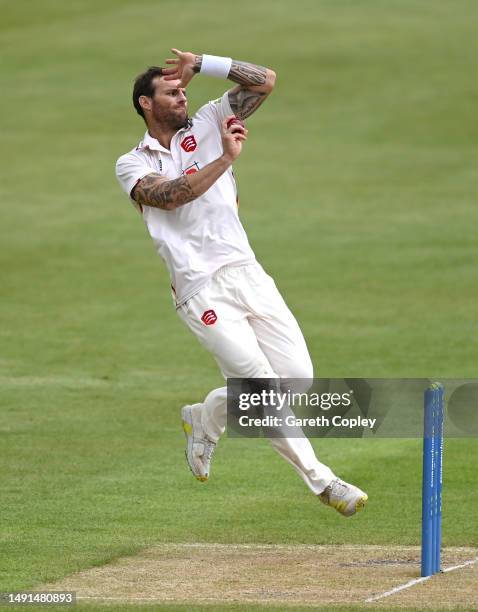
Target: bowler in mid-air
x: 180, y: 179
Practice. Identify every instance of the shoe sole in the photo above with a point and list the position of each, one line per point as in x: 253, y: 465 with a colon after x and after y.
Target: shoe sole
x: 188, y: 432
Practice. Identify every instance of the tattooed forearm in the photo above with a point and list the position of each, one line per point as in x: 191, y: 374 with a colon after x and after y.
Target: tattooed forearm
x: 244, y: 101
x: 254, y: 85
x: 242, y: 73
x: 159, y: 193
x: 247, y: 74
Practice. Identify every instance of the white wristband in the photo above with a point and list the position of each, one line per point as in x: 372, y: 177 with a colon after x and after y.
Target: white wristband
x: 216, y: 66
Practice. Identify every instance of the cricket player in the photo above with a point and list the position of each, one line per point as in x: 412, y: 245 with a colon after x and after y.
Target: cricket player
x: 180, y: 179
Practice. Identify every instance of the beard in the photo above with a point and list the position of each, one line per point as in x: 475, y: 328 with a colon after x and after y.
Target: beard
x: 173, y: 119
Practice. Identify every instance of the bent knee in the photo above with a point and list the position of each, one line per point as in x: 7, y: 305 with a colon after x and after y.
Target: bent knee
x: 299, y: 378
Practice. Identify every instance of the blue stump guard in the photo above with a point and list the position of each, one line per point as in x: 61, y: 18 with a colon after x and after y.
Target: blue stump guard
x: 432, y: 479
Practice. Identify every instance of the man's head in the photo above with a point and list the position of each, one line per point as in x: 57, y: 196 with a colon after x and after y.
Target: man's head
x: 159, y: 101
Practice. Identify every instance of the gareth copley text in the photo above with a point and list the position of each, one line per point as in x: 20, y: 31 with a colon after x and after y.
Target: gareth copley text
x: 292, y: 421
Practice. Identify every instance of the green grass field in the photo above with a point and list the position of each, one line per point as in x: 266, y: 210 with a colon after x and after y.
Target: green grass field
x: 358, y: 192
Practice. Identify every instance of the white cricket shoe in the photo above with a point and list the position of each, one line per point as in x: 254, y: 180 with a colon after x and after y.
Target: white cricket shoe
x: 199, y: 448
x: 345, y: 498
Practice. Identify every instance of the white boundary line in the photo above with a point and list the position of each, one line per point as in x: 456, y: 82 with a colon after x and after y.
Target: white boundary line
x: 407, y: 585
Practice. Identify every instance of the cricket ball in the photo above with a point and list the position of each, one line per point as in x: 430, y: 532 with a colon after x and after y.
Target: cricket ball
x: 233, y: 120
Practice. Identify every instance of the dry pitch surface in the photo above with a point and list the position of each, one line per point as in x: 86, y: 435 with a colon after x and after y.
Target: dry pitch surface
x: 280, y: 575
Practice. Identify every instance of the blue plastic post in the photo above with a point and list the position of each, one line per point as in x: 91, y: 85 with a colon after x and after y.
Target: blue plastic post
x: 434, y: 478
x: 427, y: 486
x: 439, y: 475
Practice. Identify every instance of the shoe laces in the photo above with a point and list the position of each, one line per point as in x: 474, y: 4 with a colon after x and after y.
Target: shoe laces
x: 337, y: 488
x: 209, y: 448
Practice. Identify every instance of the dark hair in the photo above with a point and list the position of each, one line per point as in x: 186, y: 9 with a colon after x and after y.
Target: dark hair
x: 143, y: 86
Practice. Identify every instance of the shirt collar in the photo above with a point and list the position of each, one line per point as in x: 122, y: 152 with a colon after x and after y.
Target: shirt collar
x: 149, y: 142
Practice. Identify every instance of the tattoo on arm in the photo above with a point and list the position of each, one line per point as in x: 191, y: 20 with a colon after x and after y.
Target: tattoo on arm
x: 247, y: 74
x: 163, y: 194
x: 245, y: 101
x: 242, y: 73
x: 197, y: 64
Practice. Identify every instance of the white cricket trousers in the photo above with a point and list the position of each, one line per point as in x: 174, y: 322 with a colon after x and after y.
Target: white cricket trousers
x: 242, y: 319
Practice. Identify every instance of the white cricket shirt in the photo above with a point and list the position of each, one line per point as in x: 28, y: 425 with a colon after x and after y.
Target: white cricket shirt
x: 200, y: 237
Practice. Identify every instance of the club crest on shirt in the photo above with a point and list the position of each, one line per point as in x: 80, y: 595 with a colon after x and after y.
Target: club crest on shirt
x: 209, y: 317
x: 189, y: 144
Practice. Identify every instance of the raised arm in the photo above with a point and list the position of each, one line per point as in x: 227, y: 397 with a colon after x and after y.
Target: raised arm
x: 160, y: 192
x: 255, y: 83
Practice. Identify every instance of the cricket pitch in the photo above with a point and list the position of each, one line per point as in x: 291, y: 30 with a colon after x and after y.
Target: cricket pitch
x: 285, y: 575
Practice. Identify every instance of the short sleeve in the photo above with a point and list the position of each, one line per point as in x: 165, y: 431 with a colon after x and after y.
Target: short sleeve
x: 216, y: 111
x: 130, y: 168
